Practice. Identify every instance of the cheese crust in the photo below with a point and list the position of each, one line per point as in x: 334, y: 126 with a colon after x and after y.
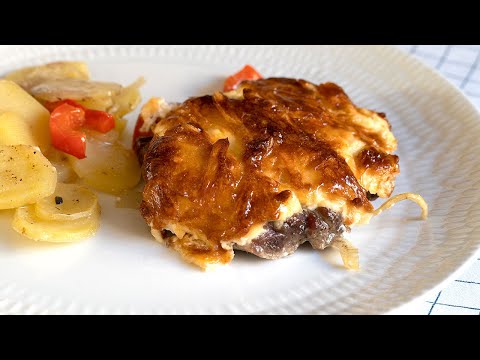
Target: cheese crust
x: 220, y: 167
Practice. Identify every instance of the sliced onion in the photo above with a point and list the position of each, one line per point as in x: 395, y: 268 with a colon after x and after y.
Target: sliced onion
x: 109, y: 137
x: 406, y: 196
x: 108, y: 167
x: 28, y: 77
x: 92, y: 94
x: 348, y: 252
x: 127, y: 99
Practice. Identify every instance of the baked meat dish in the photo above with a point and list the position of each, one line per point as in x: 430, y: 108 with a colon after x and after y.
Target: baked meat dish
x: 264, y: 168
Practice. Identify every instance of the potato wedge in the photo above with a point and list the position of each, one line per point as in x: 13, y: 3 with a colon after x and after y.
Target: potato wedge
x: 14, y: 130
x: 110, y: 168
x: 68, y: 202
x: 26, y: 222
x: 31, y: 76
x: 26, y: 176
x: 14, y: 99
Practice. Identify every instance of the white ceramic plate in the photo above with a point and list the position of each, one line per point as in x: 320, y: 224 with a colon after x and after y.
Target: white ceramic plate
x: 122, y: 270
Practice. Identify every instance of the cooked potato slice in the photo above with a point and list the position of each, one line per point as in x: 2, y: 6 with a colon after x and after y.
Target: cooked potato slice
x: 27, y: 223
x: 14, y: 99
x: 26, y: 176
x: 110, y: 168
x: 68, y: 202
x: 31, y: 76
x: 14, y: 130
x: 91, y: 94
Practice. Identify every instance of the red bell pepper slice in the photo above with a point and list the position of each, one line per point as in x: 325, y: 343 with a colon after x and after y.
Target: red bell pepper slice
x: 65, y: 124
x: 247, y: 73
x: 66, y: 120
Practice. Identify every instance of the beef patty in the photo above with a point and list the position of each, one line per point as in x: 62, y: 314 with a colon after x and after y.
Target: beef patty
x: 320, y: 227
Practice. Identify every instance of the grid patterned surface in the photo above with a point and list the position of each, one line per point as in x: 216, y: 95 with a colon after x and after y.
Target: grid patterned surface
x: 461, y: 65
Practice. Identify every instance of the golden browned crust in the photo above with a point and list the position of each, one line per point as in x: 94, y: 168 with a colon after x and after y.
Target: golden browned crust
x: 220, y: 167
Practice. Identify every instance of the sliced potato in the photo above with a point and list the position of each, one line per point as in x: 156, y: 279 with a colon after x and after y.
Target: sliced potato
x: 68, y: 202
x: 14, y: 99
x: 110, y: 168
x: 27, y: 223
x: 26, y: 176
x: 91, y: 94
x: 31, y: 76
x: 14, y: 130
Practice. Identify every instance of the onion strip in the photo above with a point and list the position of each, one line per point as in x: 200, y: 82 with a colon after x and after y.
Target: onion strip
x: 400, y: 197
x: 348, y: 252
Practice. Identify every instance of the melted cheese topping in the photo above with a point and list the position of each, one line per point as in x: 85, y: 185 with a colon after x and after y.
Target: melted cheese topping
x: 154, y: 109
x: 261, y: 154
